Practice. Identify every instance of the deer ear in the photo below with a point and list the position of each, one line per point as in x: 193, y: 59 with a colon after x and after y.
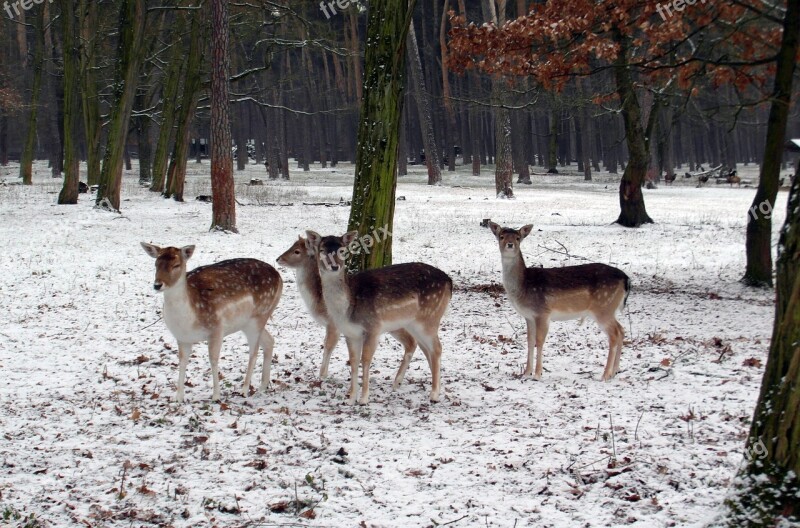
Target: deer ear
x: 150, y: 249
x: 187, y: 252
x: 314, y: 238
x: 495, y: 228
x: 349, y: 237
x: 525, y: 230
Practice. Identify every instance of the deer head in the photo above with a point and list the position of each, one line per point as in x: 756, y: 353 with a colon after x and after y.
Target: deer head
x: 509, y: 239
x: 296, y: 255
x: 330, y: 251
x: 170, y: 264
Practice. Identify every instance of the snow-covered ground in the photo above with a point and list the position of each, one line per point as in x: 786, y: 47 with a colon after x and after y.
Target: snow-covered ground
x: 89, y: 434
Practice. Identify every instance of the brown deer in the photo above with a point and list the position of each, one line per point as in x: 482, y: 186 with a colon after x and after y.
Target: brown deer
x: 572, y: 292
x: 411, y: 297
x: 211, y: 302
x: 300, y: 257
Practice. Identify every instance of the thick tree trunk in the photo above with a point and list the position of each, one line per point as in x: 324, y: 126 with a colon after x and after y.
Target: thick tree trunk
x: 69, y: 191
x: 131, y: 29
x: 768, y: 485
x: 222, y: 187
x: 584, y: 137
x: 631, y: 200
x: 29, y: 147
x: 3, y: 139
x: 521, y: 143
x: 759, y: 226
x: 378, y: 132
x: 423, y: 109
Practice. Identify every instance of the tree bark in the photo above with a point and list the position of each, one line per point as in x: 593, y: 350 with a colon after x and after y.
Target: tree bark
x: 69, y: 191
x: 758, y: 271
x: 131, y: 29
x: 222, y: 187
x: 378, y: 132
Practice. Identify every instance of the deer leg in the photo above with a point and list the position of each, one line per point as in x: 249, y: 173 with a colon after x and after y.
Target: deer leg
x: 612, y: 330
x: 214, y: 348
x: 354, y: 351
x: 253, y: 338
x: 620, y: 339
x: 184, y: 351
x: 267, y: 343
x: 436, y: 368
x: 409, y: 345
x: 531, y: 335
x: 542, y: 326
x: 370, y: 344
x: 331, y: 337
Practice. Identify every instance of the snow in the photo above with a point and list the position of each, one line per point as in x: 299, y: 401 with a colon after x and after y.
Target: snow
x: 90, y: 434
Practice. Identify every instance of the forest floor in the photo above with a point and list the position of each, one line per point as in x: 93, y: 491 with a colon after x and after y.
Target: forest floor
x: 90, y: 434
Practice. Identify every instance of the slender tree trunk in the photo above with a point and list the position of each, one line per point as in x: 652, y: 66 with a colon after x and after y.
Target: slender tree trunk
x: 222, y: 187
x: 54, y: 107
x: 90, y: 102
x: 759, y: 226
x: 69, y: 191
x: 191, y: 94
x: 631, y: 200
x: 131, y: 29
x: 378, y: 132
x: 423, y: 109
x: 3, y: 139
x: 29, y: 148
x: 446, y: 92
x: 175, y: 72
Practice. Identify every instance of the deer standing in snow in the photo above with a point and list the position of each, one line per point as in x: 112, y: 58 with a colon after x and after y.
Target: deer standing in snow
x: 300, y: 257
x: 211, y: 302
x: 411, y: 297
x: 572, y: 292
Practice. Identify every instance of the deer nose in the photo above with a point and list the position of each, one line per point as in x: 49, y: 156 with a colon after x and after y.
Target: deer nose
x: 157, y: 286
x: 334, y: 267
x: 510, y: 245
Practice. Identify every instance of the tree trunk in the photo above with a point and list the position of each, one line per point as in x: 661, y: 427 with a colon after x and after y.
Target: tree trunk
x: 552, y: 141
x: 69, y: 191
x: 131, y: 30
x: 90, y: 102
x: 631, y: 200
x: 222, y: 187
x: 378, y: 131
x: 423, y: 109
x: 29, y: 148
x: 191, y: 94
x: 169, y: 96
x: 768, y: 485
x: 759, y: 226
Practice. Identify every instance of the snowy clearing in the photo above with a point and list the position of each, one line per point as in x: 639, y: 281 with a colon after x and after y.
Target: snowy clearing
x: 90, y: 435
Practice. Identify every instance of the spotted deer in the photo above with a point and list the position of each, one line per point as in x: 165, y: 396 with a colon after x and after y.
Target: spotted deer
x: 300, y: 257
x: 412, y: 297
x: 571, y: 292
x: 211, y: 302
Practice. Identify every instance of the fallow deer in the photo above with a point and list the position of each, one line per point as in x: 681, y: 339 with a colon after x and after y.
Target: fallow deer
x: 211, y: 302
x: 300, y: 257
x: 572, y: 292
x: 411, y: 297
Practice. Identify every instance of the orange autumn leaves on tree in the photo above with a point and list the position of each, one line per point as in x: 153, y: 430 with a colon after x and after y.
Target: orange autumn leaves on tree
x: 718, y: 42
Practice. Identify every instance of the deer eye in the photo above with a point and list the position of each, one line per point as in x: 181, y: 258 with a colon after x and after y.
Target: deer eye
x: 176, y: 266
x: 296, y: 251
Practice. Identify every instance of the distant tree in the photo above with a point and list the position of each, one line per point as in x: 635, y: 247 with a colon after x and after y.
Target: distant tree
x: 222, y: 188
x: 422, y: 99
x: 29, y: 148
x: 69, y: 191
x: 129, y: 56
x: 379, y: 129
x: 647, y: 54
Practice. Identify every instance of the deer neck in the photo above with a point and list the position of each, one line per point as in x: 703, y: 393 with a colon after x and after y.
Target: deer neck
x: 310, y: 285
x: 180, y: 313
x: 338, y: 300
x: 514, y: 274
